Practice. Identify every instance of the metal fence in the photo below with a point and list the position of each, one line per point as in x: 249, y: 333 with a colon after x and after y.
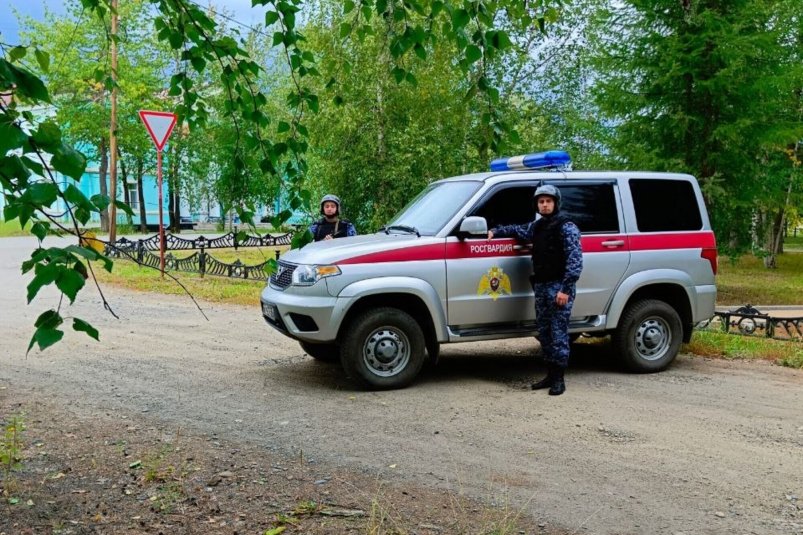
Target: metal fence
x: 140, y: 251
x: 749, y: 321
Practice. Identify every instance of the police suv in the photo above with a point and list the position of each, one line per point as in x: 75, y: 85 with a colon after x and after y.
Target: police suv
x: 383, y: 303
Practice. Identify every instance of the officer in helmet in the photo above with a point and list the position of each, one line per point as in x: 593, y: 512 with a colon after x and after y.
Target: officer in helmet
x: 331, y: 226
x: 557, y: 262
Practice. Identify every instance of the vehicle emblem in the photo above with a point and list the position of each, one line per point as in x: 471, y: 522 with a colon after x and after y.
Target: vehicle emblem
x: 494, y: 283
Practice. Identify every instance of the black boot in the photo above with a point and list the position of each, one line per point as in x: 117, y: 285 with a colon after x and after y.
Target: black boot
x: 558, y: 386
x: 546, y: 382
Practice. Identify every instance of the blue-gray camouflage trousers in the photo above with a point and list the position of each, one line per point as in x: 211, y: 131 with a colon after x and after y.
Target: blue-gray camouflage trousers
x: 552, y: 323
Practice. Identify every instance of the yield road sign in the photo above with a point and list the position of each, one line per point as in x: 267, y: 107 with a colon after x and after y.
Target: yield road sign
x: 159, y: 124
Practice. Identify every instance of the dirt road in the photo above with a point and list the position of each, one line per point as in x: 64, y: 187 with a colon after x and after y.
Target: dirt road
x: 706, y: 447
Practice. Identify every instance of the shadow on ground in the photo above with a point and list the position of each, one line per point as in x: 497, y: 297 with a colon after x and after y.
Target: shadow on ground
x: 514, y: 364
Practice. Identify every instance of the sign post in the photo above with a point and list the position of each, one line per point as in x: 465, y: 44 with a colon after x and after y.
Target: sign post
x: 159, y: 125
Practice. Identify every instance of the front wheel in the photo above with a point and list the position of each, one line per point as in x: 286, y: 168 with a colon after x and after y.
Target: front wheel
x: 383, y: 349
x: 649, y: 335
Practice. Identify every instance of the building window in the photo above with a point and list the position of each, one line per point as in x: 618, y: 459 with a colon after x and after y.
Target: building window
x: 133, y: 195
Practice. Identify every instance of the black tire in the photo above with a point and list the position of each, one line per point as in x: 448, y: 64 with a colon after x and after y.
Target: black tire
x: 322, y: 352
x: 383, y: 349
x: 433, y: 351
x: 649, y: 336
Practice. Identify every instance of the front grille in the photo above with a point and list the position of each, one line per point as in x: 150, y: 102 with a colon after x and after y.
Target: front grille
x: 283, y: 276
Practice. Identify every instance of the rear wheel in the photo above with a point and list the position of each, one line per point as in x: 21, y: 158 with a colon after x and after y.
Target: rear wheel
x: 322, y: 352
x: 649, y: 336
x: 383, y: 348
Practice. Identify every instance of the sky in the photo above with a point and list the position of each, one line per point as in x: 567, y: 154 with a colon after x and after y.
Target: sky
x: 239, y: 10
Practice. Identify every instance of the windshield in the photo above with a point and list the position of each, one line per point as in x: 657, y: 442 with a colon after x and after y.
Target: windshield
x: 435, y: 206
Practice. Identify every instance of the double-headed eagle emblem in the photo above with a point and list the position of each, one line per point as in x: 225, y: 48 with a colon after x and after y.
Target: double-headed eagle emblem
x: 494, y: 283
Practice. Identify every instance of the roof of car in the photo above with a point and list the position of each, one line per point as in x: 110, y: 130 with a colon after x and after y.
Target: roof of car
x: 527, y: 175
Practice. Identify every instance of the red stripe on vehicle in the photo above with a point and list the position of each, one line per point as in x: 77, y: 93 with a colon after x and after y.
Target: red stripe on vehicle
x: 685, y: 240
x: 507, y: 247
x: 433, y: 251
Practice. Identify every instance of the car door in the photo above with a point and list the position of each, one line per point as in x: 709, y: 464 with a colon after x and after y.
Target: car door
x: 488, y: 281
x: 595, y: 207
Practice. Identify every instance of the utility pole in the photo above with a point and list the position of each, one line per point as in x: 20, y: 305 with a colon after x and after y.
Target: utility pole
x: 113, y: 131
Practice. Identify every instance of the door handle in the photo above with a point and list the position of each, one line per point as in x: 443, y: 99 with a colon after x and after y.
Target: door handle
x: 613, y: 243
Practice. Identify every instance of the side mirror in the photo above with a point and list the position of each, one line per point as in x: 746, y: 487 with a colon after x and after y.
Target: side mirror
x: 473, y: 227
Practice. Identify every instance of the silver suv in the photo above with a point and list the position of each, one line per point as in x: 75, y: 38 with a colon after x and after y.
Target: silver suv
x: 383, y: 303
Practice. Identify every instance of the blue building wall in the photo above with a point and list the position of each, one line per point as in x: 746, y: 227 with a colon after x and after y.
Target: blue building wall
x: 89, y: 185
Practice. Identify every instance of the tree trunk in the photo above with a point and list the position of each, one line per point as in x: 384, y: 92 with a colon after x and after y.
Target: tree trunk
x: 143, y: 223
x: 104, y: 190
x: 126, y: 193
x: 173, y: 210
x: 775, y: 244
x: 176, y: 208
x: 778, y: 232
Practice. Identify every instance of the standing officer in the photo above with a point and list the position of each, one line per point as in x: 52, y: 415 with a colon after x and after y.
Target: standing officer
x: 557, y: 262
x: 330, y: 226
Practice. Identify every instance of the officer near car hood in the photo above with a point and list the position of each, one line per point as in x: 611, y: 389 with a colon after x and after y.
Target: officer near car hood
x: 557, y: 263
x: 331, y: 226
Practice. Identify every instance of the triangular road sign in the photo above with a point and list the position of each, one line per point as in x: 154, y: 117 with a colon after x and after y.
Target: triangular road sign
x: 159, y: 124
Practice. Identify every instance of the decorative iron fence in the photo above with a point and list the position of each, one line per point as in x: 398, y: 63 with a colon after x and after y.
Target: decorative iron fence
x: 750, y: 321
x: 140, y: 251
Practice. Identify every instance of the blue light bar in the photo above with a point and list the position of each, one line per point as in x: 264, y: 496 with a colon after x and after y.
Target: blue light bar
x: 557, y: 159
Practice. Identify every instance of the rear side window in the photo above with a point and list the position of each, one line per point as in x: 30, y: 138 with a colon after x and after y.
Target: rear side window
x: 591, y: 206
x: 665, y: 205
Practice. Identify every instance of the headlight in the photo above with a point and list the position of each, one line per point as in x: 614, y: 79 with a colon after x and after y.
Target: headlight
x: 309, y: 275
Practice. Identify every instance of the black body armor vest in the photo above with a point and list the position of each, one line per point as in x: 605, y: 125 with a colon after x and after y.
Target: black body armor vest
x: 337, y: 229
x: 549, y: 255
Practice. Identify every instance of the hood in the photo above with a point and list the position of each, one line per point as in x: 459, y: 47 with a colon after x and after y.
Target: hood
x: 351, y: 248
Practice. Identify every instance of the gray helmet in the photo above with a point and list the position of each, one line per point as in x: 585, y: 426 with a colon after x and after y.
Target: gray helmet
x: 331, y: 198
x: 548, y: 189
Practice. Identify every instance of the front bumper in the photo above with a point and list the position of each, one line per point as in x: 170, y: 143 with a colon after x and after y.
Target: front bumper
x: 304, y: 313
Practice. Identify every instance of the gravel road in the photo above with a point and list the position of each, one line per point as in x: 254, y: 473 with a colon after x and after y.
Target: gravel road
x: 706, y: 447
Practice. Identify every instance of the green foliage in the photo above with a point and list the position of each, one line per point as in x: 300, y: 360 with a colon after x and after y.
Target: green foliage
x: 708, y: 88
x: 397, y: 124
x: 11, y: 444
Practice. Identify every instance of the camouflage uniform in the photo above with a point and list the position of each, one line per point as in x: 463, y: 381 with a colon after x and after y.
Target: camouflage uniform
x: 552, y: 322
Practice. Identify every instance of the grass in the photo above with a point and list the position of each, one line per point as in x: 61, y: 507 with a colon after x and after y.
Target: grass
x: 12, y: 228
x: 746, y: 280
x: 216, y: 289
x: 794, y: 244
x: 11, y: 449
x: 711, y: 342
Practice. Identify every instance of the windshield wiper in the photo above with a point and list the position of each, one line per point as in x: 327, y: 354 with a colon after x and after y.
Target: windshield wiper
x: 403, y: 228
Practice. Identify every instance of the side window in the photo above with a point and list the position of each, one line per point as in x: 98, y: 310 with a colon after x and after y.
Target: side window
x: 591, y: 206
x: 665, y: 205
x: 509, y: 206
